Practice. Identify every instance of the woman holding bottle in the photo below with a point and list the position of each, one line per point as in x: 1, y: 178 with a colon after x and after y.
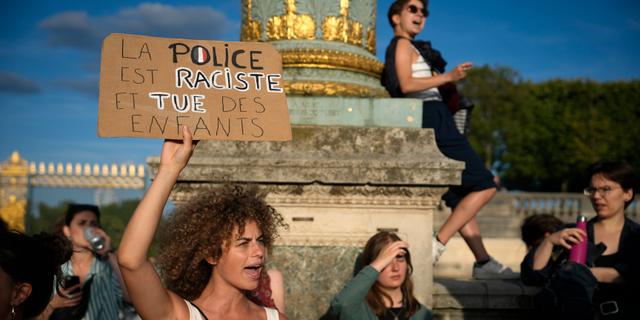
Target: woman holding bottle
x: 612, y: 242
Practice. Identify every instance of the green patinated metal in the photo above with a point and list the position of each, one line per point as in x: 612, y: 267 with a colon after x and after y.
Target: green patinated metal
x: 362, y: 112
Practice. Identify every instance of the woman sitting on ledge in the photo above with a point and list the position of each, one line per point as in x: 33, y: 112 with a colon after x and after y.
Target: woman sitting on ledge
x: 408, y: 74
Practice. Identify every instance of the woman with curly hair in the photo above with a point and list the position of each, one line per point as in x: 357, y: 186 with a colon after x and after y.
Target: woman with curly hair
x: 383, y: 288
x: 213, y: 249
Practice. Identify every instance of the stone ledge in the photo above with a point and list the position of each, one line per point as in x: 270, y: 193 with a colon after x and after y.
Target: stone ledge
x: 328, y: 155
x: 482, y: 299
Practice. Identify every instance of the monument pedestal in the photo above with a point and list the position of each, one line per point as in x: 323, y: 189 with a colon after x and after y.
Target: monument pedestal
x: 335, y: 187
x: 358, y: 112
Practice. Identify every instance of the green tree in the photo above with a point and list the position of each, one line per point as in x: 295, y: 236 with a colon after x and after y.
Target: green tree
x: 496, y: 94
x: 547, y: 133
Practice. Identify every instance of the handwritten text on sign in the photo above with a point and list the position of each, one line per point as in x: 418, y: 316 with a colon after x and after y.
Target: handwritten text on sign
x: 151, y: 86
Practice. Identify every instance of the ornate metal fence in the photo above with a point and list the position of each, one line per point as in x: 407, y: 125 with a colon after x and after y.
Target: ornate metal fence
x: 17, y: 176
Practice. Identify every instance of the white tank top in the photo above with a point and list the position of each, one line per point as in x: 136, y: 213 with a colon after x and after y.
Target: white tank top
x: 195, y: 314
x: 421, y: 69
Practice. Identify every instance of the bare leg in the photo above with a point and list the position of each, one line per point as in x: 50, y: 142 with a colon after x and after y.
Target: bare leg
x: 471, y: 235
x: 462, y: 220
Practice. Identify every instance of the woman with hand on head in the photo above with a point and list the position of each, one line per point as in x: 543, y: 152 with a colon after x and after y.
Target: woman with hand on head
x: 383, y: 288
x: 408, y: 74
x: 95, y: 269
x: 612, y: 244
x: 212, y: 249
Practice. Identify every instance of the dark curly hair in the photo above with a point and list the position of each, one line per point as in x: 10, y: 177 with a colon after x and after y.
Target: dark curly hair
x: 200, y: 228
x: 33, y: 260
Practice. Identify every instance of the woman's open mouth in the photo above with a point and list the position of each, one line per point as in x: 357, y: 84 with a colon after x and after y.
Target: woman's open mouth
x: 253, y: 271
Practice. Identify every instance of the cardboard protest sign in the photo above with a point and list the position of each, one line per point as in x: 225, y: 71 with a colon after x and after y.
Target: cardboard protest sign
x: 151, y: 86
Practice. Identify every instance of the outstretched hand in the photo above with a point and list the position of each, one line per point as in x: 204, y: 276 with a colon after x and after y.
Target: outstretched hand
x: 389, y: 253
x: 460, y: 71
x: 175, y: 153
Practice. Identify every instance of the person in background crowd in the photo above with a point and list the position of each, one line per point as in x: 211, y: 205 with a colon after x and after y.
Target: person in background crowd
x: 408, y: 74
x: 100, y: 289
x: 537, y: 227
x: 27, y: 268
x: 383, y: 289
x: 612, y: 255
x: 270, y: 290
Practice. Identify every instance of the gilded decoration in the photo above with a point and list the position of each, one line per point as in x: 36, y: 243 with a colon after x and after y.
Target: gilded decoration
x: 273, y: 20
x: 333, y: 89
x: 250, y: 30
x: 371, y: 40
x: 13, y: 213
x: 331, y: 59
x: 13, y: 187
x: 15, y: 167
x: 291, y: 26
x: 342, y: 28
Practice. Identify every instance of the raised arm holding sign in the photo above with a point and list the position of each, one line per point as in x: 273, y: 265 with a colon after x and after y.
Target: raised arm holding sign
x: 150, y: 87
x: 186, y: 90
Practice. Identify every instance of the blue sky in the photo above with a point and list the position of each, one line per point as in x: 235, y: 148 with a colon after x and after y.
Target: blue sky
x: 50, y: 54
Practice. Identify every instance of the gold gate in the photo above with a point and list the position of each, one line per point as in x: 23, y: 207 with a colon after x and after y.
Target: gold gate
x: 17, y: 176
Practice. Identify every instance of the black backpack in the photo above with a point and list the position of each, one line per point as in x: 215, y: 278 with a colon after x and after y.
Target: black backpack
x: 568, y: 294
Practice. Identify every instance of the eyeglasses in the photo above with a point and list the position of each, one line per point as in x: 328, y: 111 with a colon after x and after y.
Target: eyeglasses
x: 591, y: 191
x: 414, y: 9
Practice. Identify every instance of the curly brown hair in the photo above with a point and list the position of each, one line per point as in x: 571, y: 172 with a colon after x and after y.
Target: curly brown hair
x: 200, y: 229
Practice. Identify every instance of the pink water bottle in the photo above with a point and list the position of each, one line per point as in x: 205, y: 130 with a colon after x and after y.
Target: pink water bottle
x: 578, y: 252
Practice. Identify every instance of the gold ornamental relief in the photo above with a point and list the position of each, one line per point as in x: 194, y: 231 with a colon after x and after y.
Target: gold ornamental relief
x: 371, y: 40
x: 355, y: 33
x: 332, y: 89
x: 304, y: 27
x: 291, y: 27
x: 13, y: 213
x: 331, y: 59
x: 333, y: 29
x: 250, y: 31
x: 276, y: 29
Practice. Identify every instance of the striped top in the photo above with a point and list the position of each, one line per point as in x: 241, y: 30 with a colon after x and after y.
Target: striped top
x: 421, y: 69
x: 105, y: 299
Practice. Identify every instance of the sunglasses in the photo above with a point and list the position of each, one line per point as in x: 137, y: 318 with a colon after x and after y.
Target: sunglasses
x: 414, y: 9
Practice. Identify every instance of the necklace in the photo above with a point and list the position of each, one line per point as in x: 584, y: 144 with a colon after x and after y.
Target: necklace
x: 396, y: 316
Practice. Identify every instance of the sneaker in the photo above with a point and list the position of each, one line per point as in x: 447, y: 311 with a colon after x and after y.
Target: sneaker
x: 437, y: 248
x: 493, y: 270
